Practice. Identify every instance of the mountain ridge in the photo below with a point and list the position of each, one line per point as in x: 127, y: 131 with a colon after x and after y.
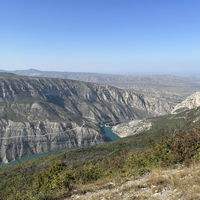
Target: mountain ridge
x: 168, y: 87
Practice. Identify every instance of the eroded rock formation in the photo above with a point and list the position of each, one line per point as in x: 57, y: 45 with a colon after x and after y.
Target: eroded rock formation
x: 192, y: 101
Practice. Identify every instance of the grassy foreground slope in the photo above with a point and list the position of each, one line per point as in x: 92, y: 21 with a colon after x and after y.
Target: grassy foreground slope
x: 55, y: 176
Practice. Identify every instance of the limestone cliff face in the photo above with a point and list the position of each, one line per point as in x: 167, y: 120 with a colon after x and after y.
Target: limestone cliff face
x: 20, y: 139
x: 46, y: 114
x: 190, y: 102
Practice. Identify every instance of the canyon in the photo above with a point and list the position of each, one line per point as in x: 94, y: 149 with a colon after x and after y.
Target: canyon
x: 48, y: 114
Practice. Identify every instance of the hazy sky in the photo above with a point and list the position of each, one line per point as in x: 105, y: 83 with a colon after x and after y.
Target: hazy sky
x: 109, y: 36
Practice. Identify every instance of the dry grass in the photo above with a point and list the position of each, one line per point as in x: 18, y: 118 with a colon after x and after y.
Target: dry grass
x: 177, y: 182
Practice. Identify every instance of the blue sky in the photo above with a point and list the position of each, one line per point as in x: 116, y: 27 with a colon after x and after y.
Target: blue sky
x: 104, y: 36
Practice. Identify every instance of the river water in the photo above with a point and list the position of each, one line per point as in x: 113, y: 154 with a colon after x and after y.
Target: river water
x: 110, y: 136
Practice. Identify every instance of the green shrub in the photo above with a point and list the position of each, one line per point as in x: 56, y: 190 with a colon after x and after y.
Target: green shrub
x: 92, y: 172
x: 46, y: 179
x: 181, y: 146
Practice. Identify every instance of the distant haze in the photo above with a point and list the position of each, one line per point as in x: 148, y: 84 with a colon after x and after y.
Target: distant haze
x: 101, y: 36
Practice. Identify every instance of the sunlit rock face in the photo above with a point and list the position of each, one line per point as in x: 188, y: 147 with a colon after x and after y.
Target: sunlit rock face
x: 22, y: 139
x: 39, y: 115
x: 192, y: 101
x: 132, y: 127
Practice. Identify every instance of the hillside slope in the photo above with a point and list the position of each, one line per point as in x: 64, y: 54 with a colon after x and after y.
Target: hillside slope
x: 116, y: 170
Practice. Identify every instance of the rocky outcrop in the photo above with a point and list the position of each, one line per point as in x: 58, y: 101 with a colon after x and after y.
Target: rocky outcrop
x: 36, y: 113
x: 132, y: 127
x: 190, y: 102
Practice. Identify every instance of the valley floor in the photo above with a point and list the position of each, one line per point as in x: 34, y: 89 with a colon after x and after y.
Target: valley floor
x: 177, y: 183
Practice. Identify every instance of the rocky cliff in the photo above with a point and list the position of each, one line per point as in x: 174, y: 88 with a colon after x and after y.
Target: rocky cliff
x: 19, y: 139
x: 48, y: 114
x: 192, y: 101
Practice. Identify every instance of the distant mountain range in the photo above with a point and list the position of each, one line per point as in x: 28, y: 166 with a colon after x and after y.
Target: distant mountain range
x: 167, y: 87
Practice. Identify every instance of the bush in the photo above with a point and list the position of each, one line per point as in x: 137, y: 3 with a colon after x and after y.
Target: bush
x: 92, y: 172
x: 182, y: 145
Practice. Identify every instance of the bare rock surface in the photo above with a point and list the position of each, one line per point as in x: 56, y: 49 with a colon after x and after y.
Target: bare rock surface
x: 19, y: 139
x: 192, y: 101
x: 131, y: 128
